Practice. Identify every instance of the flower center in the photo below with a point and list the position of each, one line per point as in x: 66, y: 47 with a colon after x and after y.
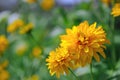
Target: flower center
x: 83, y: 40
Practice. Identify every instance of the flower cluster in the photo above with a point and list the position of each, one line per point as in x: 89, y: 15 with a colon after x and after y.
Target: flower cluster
x: 4, y: 74
x: 78, y: 46
x: 26, y: 28
x: 19, y: 25
x: 14, y: 26
x: 3, y: 43
x: 116, y: 10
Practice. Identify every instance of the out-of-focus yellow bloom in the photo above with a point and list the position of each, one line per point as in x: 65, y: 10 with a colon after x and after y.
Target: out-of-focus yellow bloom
x: 3, y: 43
x: 116, y: 10
x: 30, y: 1
x: 26, y: 28
x: 4, y: 75
x: 59, y: 61
x: 47, y: 4
x: 34, y: 77
x: 1, y: 68
x: 84, y: 42
x: 36, y: 52
x: 14, y: 26
x: 107, y: 2
x: 4, y: 64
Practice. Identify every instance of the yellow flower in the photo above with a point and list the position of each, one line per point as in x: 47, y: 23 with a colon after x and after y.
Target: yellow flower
x: 26, y: 28
x: 34, y: 77
x: 4, y: 64
x: 30, y: 1
x: 15, y: 25
x: 84, y: 42
x: 107, y: 2
x: 1, y: 68
x: 36, y: 52
x: 116, y: 10
x: 4, y: 75
x: 47, y: 4
x: 59, y: 61
x: 3, y: 43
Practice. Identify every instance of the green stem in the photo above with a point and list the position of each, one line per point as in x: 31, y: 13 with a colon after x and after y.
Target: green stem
x: 91, y: 72
x: 73, y: 74
x: 113, y: 37
x: 34, y: 40
x: 113, y: 43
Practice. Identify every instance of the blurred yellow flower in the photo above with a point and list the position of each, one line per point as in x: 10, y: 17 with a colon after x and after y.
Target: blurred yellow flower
x: 116, y: 10
x: 15, y: 25
x: 30, y: 1
x: 36, y: 51
x: 84, y: 42
x: 1, y: 68
x: 4, y: 64
x: 59, y: 61
x: 107, y: 2
x: 3, y: 43
x: 34, y: 77
x: 4, y: 75
x: 47, y: 4
x: 26, y: 28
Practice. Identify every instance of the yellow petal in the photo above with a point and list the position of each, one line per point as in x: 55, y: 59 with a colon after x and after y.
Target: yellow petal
x: 90, y: 52
x: 93, y: 25
x: 95, y: 45
x: 96, y: 56
x: 102, y: 53
x: 86, y: 49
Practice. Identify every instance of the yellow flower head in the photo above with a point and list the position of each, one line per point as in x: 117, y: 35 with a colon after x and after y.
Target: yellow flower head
x: 26, y: 28
x: 47, y: 4
x: 30, y: 1
x: 107, y: 2
x: 15, y: 25
x: 4, y: 64
x: 4, y: 75
x: 59, y: 61
x: 34, y: 77
x: 116, y: 10
x: 84, y: 42
x: 3, y: 43
x: 36, y: 52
